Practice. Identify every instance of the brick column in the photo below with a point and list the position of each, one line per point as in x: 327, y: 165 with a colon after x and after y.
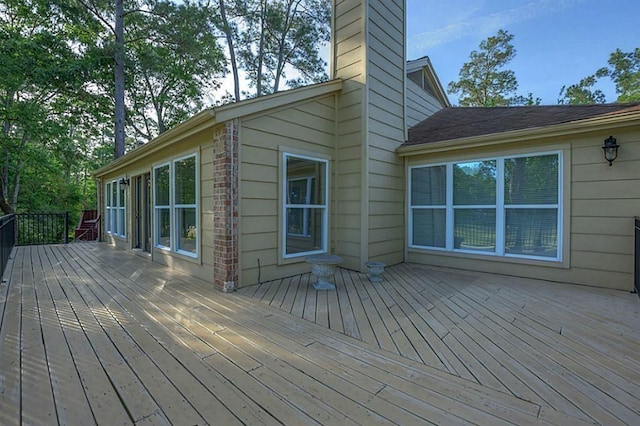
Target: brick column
x: 225, y: 207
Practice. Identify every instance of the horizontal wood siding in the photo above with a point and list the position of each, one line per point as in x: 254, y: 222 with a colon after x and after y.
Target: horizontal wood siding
x: 349, y: 64
x: 385, y: 130
x: 308, y: 126
x: 603, y: 202
x: 420, y: 104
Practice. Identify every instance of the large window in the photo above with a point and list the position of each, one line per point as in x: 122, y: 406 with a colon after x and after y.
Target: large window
x: 305, y: 208
x: 175, y: 206
x: 115, y: 208
x: 505, y: 206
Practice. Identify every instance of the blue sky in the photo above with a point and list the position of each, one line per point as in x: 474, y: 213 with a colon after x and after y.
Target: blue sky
x: 558, y: 42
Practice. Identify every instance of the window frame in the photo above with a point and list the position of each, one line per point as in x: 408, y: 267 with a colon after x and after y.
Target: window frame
x: 501, y: 208
x: 173, y: 208
x: 157, y: 209
x: 116, y: 214
x: 285, y: 205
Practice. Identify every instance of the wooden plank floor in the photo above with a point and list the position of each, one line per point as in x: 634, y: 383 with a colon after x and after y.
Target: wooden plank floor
x: 93, y: 335
x: 571, y: 348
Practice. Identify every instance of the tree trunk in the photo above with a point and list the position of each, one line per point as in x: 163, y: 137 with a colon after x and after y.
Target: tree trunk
x: 263, y: 17
x: 226, y: 28
x: 16, y: 175
x: 119, y: 81
x: 4, y: 174
x: 281, y: 43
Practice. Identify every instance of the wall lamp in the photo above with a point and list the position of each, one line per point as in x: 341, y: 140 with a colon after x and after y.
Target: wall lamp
x: 610, y: 149
x: 124, y: 181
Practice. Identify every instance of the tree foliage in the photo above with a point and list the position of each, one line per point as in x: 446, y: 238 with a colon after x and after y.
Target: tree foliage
x: 483, y: 81
x: 272, y: 39
x: 80, y: 77
x: 623, y: 69
x: 582, y: 93
x: 42, y: 86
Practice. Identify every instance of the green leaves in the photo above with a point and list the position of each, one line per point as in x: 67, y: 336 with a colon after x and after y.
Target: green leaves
x: 484, y: 81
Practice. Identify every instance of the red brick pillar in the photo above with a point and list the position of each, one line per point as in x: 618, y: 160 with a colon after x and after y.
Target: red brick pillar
x: 225, y: 207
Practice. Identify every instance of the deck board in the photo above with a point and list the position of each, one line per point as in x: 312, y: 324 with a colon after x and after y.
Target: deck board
x: 543, y: 342
x: 113, y: 338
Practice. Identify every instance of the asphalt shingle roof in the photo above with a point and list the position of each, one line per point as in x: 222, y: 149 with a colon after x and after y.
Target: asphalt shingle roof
x: 462, y: 122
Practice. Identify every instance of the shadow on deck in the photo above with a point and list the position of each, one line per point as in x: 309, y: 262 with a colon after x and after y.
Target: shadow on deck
x: 573, y: 348
x: 93, y: 335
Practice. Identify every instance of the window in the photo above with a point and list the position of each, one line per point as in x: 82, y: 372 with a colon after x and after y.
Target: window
x: 185, y: 205
x: 162, y: 206
x: 305, y: 205
x: 505, y: 206
x: 115, y: 208
x: 175, y: 192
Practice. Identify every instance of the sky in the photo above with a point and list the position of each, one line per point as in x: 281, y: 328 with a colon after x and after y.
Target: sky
x: 557, y: 42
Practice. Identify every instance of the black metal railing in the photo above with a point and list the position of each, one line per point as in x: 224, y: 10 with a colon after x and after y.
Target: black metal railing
x: 7, y: 239
x: 42, y: 228
x: 637, y: 270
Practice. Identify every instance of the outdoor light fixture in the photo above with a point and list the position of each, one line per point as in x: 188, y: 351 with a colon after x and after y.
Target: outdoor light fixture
x: 125, y: 181
x: 610, y: 149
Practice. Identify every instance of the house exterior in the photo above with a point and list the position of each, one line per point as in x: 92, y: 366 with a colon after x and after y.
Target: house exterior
x: 361, y: 167
x: 526, y: 191
x: 243, y: 193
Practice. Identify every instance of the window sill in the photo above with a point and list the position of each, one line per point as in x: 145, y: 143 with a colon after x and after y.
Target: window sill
x: 166, y: 253
x: 488, y: 257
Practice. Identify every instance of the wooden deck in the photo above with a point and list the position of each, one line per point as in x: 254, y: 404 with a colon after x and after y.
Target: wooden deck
x: 571, y: 348
x: 89, y: 335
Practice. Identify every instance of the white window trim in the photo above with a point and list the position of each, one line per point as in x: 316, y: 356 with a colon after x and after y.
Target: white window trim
x: 116, y: 220
x: 175, y: 207
x: 500, y: 208
x: 157, y: 209
x: 172, y: 207
x: 286, y: 205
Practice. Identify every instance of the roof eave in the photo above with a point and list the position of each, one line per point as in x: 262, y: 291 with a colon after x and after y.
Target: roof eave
x: 210, y: 117
x: 195, y: 124
x: 563, y: 129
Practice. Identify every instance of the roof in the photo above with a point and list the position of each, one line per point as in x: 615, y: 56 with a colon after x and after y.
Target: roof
x: 425, y: 64
x: 451, y: 124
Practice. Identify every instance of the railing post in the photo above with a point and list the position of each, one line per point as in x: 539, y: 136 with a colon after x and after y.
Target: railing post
x: 66, y: 227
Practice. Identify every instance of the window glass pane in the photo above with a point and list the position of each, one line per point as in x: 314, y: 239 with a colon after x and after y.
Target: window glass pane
x: 429, y: 227
x: 114, y: 194
x: 307, y: 230
x: 300, y: 190
x: 107, y: 195
x: 305, y: 181
x: 121, y: 195
x: 474, y: 183
x: 161, y: 182
x: 186, y: 224
x: 121, y: 222
x: 298, y: 221
x: 429, y: 186
x: 163, y: 227
x: 185, y: 181
x: 532, y: 232
x: 475, y: 229
x: 531, y: 180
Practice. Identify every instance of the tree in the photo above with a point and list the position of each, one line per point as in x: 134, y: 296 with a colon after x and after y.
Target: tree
x: 165, y: 58
x: 624, y: 70
x: 582, y: 93
x: 42, y: 71
x: 271, y: 39
x: 484, y: 82
x: 174, y: 61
